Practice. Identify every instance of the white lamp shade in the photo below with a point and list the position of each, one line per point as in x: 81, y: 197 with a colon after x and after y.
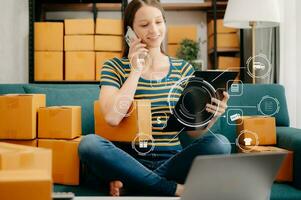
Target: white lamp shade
x: 239, y: 13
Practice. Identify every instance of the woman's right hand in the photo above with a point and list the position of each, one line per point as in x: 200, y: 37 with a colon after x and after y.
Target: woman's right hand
x: 136, y: 49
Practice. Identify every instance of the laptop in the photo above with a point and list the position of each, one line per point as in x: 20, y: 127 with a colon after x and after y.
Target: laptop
x: 190, y: 111
x: 232, y: 177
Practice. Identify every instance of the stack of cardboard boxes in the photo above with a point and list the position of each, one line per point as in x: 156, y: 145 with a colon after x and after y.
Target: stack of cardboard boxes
x: 177, y: 33
x: 258, y: 134
x: 23, y: 168
x: 59, y: 129
x: 226, y: 38
x: 48, y: 47
x: 77, y: 55
x: 79, y: 50
x: 25, y: 120
x: 108, y: 41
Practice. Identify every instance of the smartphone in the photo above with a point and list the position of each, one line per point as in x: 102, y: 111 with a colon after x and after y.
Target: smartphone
x: 130, y: 36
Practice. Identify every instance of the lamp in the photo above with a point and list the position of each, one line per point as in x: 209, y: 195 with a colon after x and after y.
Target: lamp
x: 245, y: 14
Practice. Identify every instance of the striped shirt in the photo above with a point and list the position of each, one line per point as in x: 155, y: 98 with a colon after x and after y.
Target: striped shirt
x: 116, y: 71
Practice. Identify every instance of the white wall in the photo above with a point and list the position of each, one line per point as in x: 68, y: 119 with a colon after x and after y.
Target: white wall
x: 290, y: 48
x: 14, y: 41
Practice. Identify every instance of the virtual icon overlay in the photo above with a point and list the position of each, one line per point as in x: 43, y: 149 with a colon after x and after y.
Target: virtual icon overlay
x: 140, y: 61
x: 261, y: 64
x: 121, y: 103
x: 143, y: 144
x: 247, y: 138
x: 196, y: 93
x: 268, y: 106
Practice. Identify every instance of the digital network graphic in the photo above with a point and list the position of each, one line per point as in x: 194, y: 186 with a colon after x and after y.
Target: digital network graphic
x: 194, y: 114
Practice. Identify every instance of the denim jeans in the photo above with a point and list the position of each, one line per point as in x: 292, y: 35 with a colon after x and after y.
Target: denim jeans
x: 109, y: 161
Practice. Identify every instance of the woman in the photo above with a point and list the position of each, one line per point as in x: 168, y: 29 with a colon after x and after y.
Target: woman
x: 163, y: 170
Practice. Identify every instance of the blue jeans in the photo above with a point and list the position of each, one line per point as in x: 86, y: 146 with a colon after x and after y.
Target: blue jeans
x: 108, y: 162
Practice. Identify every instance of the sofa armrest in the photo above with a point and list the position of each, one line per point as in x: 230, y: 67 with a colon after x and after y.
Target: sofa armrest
x: 290, y: 139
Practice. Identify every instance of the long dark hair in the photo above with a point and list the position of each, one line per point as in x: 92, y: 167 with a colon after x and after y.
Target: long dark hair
x: 129, y: 15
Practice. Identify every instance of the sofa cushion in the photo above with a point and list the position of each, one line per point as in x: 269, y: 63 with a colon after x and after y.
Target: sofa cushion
x: 83, y: 97
x: 11, y: 89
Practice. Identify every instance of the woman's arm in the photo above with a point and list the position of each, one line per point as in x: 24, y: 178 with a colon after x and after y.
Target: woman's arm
x: 114, y: 102
x: 218, y: 109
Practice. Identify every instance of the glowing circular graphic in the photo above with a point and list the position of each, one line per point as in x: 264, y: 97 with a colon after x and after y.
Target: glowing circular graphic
x: 121, y: 103
x: 268, y: 106
x: 140, y: 61
x: 143, y: 144
x: 189, y: 112
x: 251, y: 136
x: 160, y: 118
x: 262, y: 66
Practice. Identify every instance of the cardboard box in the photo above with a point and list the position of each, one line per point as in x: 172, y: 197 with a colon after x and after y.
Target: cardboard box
x: 48, y: 66
x: 60, y: 122
x: 108, y: 43
x: 177, y: 33
x: 19, y: 157
x: 220, y: 28
x: 101, y: 57
x: 80, y: 66
x: 25, y: 185
x: 48, y: 36
x: 65, y: 160
x: 109, y: 26
x: 79, y: 43
x: 285, y: 173
x: 263, y: 127
x: 224, y: 40
x: 79, y: 26
x: 226, y: 62
x: 172, y: 49
x: 18, y: 115
x: 31, y: 143
x: 138, y: 122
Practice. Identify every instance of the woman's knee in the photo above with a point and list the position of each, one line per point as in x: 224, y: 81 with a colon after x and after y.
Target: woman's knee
x: 222, y: 144
x: 217, y: 144
x: 89, y: 144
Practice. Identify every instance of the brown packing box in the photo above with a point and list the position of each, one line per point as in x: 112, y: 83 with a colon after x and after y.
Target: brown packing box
x: 138, y: 122
x: 226, y: 62
x: 263, y: 127
x: 224, y: 40
x: 177, y: 33
x: 79, y: 43
x: 19, y: 157
x: 65, y: 160
x: 18, y: 115
x: 101, y: 57
x: 109, y: 26
x: 61, y: 122
x: 80, y: 66
x: 25, y: 185
x: 48, y: 66
x: 108, y: 43
x: 48, y: 36
x: 220, y: 28
x: 172, y: 49
x: 31, y: 143
x: 79, y: 26
x: 285, y: 172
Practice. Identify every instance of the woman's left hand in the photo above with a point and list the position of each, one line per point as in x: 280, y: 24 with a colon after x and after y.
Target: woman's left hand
x: 220, y: 106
